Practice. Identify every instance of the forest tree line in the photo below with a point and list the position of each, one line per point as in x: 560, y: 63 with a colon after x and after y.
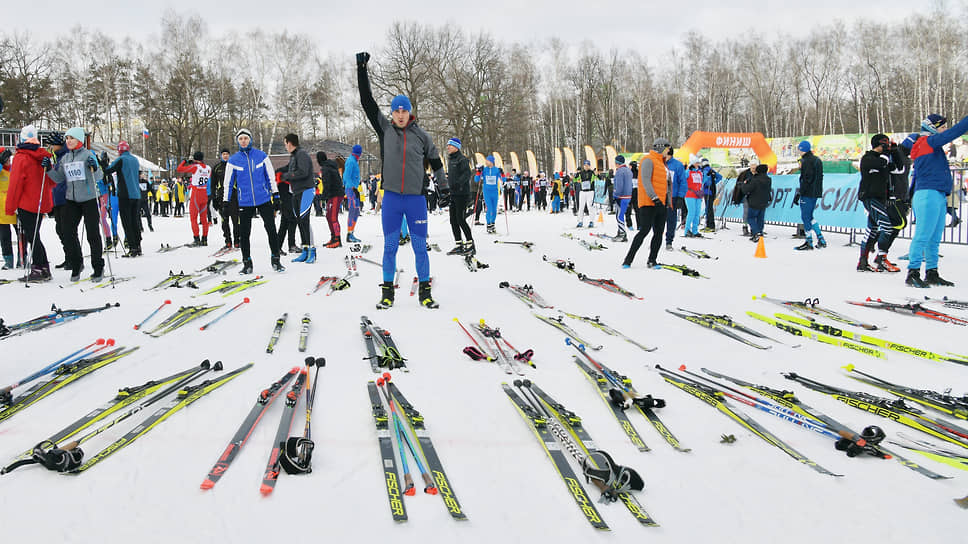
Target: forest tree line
x: 192, y: 90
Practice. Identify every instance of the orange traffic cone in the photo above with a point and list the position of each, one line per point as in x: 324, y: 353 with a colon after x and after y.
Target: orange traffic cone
x: 760, y: 249
x: 600, y: 218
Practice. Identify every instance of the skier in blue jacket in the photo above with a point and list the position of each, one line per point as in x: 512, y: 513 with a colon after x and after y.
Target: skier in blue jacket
x: 491, y: 177
x: 623, y: 195
x: 930, y: 188
x: 249, y: 176
x: 677, y: 198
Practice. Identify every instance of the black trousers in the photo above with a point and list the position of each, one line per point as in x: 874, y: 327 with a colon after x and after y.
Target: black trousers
x: 73, y: 213
x: 458, y: 217
x: 28, y: 222
x: 229, y: 212
x: 246, y: 214
x: 287, y: 225
x: 649, y: 218
x: 146, y: 211
x: 129, y: 210
x: 711, y: 211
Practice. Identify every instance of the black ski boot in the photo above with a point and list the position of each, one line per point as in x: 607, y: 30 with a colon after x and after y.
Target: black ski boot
x: 425, y: 298
x: 931, y: 277
x: 386, y: 301
x: 469, y: 248
x: 458, y: 249
x: 246, y: 267
x: 914, y: 278
x: 196, y: 242
x: 277, y: 264
x: 204, y: 241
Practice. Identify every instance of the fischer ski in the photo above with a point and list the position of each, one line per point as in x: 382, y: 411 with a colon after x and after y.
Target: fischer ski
x: 558, y: 323
x: 812, y: 307
x: 598, y: 324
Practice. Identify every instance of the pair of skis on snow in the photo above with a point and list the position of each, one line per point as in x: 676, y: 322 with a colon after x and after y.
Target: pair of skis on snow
x: 290, y: 453
x: 69, y: 458
x: 405, y: 423
x: 281, y: 324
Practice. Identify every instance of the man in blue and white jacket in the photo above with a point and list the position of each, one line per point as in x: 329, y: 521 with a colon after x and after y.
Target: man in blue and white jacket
x: 930, y: 187
x: 250, y: 176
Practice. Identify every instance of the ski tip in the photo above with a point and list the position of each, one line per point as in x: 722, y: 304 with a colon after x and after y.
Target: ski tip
x: 207, y: 484
x: 266, y: 490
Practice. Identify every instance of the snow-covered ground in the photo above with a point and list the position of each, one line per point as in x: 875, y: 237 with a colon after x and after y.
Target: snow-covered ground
x: 748, y: 491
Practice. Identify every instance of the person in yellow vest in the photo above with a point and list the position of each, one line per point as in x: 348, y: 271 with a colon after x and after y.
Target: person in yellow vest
x: 653, y: 189
x: 179, y: 197
x: 6, y: 239
x: 164, y: 196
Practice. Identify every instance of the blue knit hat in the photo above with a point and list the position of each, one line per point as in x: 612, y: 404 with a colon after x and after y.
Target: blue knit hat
x: 400, y: 102
x: 932, y: 122
x: 454, y: 142
x: 490, y: 159
x: 619, y: 159
x: 803, y: 146
x: 76, y: 132
x: 357, y: 150
x: 587, y: 162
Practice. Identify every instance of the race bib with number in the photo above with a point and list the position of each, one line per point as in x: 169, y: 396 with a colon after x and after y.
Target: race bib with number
x: 74, y: 171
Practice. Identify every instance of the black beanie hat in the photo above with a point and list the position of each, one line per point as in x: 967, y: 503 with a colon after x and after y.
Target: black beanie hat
x: 198, y: 156
x: 320, y: 157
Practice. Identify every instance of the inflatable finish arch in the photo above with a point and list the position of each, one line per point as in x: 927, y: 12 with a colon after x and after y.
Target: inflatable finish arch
x: 730, y: 140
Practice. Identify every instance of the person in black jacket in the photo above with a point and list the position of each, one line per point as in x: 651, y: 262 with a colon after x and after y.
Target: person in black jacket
x: 758, y: 189
x: 874, y: 191
x: 302, y: 183
x: 459, y: 180
x: 228, y: 211
x: 332, y: 196
x: 811, y: 189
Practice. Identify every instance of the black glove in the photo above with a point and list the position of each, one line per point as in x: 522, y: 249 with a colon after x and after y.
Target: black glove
x: 362, y: 58
x: 275, y: 201
x: 44, y: 163
x: 444, y: 199
x: 796, y: 198
x: 91, y: 161
x: 657, y: 201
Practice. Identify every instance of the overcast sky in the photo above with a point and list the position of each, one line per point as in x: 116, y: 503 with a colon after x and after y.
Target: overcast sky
x: 349, y: 26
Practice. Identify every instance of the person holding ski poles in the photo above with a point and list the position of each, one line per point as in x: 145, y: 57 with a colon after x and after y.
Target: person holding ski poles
x: 80, y: 171
x: 29, y: 196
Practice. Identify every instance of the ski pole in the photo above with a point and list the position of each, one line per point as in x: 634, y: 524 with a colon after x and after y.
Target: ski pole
x: 227, y: 312
x: 469, y: 335
x: 152, y: 314
x: 430, y: 487
x: 67, y: 359
x: 203, y: 367
x: 407, y: 477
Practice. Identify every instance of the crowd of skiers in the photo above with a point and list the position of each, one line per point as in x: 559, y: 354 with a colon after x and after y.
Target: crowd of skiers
x: 658, y: 194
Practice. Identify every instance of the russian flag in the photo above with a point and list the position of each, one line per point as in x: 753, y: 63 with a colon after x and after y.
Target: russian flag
x: 145, y: 133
